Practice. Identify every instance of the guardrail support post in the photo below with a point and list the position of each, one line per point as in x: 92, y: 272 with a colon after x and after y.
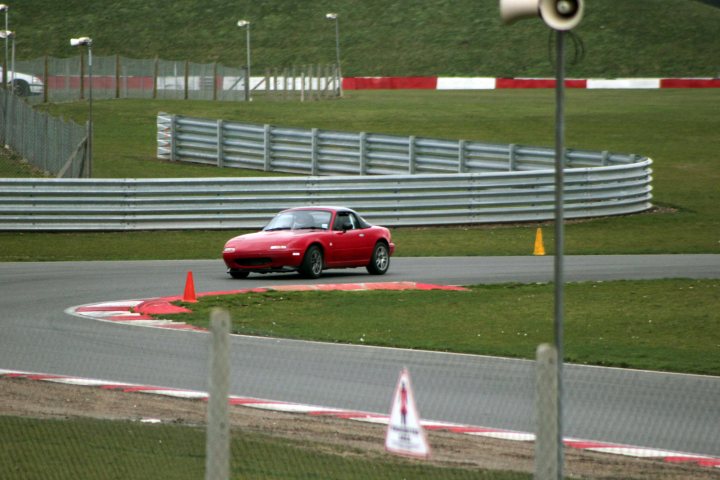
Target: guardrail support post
x: 605, y: 158
x: 173, y: 138
x: 462, y: 168
x: 411, y: 155
x: 220, y: 145
x: 512, y: 157
x: 314, y: 152
x: 362, y: 154
x: 267, y: 149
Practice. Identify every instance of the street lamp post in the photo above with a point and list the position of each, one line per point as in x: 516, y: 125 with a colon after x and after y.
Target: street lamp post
x: 335, y: 16
x: 246, y: 25
x: 9, y: 96
x: 79, y: 42
x: 6, y: 9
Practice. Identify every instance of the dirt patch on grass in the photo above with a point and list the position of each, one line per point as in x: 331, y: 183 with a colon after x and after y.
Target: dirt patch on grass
x: 39, y: 399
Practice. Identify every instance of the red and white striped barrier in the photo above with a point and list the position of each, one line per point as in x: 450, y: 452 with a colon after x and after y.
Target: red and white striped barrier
x: 492, y: 83
x: 143, y: 312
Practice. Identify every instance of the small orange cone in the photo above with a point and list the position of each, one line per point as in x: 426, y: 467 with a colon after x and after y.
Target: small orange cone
x: 539, y: 248
x: 189, y: 295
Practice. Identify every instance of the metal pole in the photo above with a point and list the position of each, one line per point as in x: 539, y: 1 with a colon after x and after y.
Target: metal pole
x: 4, y: 79
x: 337, y: 52
x: 559, y: 232
x: 90, y: 112
x: 11, y: 94
x: 248, y: 90
x: 12, y: 66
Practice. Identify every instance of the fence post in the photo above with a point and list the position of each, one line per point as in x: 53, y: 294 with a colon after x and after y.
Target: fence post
x: 511, y: 157
x: 86, y: 170
x: 363, y: 153
x: 156, y: 74
x: 314, y: 152
x: 46, y: 76
x: 311, y: 71
x: 187, y: 78
x: 302, y: 85
x: 246, y: 74
x: 285, y: 83
x: 461, y: 157
x: 220, y: 145
x: 267, y: 153
x: 215, y: 79
x: 411, y: 154
x: 546, y: 440
x: 82, y: 77
x: 117, y: 76
x: 217, y: 457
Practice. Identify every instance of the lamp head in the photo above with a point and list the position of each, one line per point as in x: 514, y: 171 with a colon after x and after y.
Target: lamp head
x: 331, y: 16
x: 7, y: 34
x: 243, y: 23
x: 4, y: 8
x: 76, y: 42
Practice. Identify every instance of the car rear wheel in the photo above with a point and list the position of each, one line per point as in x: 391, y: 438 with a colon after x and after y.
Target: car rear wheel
x: 312, y: 264
x: 21, y: 88
x: 380, y: 260
x: 238, y: 274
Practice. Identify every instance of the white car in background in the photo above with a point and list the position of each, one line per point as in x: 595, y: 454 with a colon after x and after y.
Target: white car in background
x: 24, y: 84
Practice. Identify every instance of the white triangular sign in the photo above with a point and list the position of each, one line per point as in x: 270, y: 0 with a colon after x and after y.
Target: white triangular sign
x: 405, y: 435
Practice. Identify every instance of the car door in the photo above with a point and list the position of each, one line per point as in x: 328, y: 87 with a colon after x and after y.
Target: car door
x: 350, y: 243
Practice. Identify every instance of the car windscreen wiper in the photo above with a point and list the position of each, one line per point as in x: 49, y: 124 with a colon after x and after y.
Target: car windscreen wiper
x: 275, y: 229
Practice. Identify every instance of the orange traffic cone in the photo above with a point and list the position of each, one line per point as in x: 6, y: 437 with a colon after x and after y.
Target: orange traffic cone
x: 189, y: 295
x: 539, y: 248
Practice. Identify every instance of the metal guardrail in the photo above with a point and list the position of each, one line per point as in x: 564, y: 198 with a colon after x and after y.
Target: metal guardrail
x: 391, y: 200
x: 322, y: 152
x: 51, y: 144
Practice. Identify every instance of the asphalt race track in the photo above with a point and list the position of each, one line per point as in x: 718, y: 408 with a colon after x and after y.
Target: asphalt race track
x: 667, y: 411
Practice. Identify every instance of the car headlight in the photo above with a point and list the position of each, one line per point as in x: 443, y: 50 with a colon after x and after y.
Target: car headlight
x: 278, y: 247
x: 229, y: 250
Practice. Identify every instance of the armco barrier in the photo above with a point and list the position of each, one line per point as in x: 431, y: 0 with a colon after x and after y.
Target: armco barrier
x: 391, y: 200
x: 323, y: 152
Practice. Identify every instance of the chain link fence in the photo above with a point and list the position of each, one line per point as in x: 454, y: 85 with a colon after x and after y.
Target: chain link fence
x: 40, y: 144
x: 51, y: 79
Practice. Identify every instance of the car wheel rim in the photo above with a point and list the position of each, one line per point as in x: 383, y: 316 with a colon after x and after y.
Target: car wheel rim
x: 381, y: 259
x: 316, y: 263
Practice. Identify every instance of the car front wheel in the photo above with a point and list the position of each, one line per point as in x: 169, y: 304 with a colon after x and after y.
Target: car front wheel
x: 380, y: 260
x: 312, y: 264
x: 238, y: 274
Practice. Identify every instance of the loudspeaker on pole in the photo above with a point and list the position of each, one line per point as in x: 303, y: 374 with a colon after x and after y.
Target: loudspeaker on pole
x: 557, y: 14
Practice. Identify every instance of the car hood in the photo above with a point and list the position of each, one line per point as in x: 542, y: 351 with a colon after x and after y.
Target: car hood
x: 279, y: 237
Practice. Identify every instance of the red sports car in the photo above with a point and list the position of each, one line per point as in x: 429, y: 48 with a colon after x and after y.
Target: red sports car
x: 310, y: 240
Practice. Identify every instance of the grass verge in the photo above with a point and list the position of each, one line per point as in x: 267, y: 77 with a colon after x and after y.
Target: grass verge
x: 33, y: 448
x: 657, y: 325
x: 676, y: 128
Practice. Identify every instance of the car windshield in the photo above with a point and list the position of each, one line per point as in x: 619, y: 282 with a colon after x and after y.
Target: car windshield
x: 300, y: 220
